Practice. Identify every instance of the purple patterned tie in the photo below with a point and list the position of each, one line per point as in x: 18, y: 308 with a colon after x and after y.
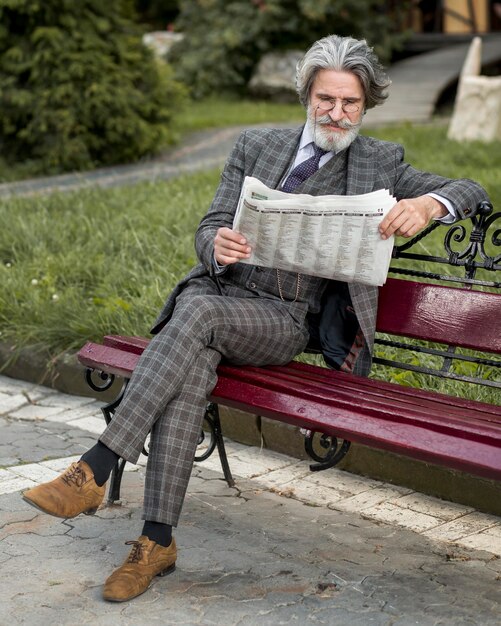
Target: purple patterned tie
x: 304, y: 170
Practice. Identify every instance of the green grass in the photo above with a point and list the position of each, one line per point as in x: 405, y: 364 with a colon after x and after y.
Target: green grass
x: 217, y: 112
x: 76, y: 266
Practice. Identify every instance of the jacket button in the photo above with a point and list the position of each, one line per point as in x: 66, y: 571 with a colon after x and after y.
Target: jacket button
x: 253, y: 285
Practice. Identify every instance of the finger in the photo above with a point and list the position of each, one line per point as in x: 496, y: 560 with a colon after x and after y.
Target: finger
x: 226, y: 260
x: 393, y: 227
x: 225, y: 255
x: 392, y: 221
x: 392, y: 214
x: 414, y: 222
x: 227, y: 239
x: 408, y: 230
x: 232, y: 249
x: 235, y: 254
x: 227, y: 234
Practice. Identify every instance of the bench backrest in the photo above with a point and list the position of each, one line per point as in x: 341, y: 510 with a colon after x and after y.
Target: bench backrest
x: 461, y: 318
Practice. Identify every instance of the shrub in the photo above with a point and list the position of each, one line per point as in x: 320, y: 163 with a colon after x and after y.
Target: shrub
x: 77, y: 87
x: 224, y: 40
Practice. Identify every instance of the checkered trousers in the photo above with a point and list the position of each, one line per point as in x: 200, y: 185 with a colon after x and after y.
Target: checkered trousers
x: 168, y: 390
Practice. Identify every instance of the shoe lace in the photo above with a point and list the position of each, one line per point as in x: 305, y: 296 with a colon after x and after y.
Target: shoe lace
x: 74, y: 475
x: 136, y: 553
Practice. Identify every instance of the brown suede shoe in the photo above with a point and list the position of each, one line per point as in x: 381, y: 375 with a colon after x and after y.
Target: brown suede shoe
x: 73, y: 492
x: 146, y: 560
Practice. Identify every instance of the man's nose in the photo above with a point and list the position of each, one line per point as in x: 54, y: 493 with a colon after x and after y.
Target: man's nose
x: 337, y: 113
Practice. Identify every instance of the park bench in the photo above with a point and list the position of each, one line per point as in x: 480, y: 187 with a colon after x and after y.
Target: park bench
x: 418, y: 321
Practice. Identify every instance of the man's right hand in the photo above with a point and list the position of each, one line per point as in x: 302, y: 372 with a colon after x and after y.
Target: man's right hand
x: 230, y: 246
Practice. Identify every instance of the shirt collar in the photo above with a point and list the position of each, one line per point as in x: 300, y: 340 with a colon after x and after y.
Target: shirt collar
x: 306, y: 137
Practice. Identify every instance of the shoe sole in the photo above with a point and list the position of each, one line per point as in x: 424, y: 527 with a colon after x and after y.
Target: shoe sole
x: 37, y: 506
x: 165, y: 572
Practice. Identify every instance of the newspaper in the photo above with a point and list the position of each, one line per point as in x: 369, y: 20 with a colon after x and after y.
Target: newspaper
x: 333, y: 237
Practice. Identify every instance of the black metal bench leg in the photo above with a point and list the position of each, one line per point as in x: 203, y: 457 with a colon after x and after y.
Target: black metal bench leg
x: 333, y: 450
x: 116, y: 481
x: 218, y: 434
x: 216, y: 440
x: 117, y: 473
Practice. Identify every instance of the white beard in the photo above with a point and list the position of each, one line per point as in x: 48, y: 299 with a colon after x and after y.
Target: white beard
x: 328, y: 139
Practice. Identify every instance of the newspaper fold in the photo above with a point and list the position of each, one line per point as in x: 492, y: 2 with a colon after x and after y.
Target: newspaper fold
x: 333, y: 237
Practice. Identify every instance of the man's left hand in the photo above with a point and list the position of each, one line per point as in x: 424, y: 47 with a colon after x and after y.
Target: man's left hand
x: 409, y: 216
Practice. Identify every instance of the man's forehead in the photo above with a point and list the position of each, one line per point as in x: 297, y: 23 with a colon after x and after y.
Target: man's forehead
x: 337, y: 84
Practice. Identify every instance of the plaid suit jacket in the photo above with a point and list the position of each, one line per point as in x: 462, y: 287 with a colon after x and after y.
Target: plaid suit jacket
x: 369, y: 164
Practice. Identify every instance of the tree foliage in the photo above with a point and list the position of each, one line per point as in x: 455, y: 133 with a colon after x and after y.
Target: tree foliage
x: 77, y: 87
x: 225, y: 39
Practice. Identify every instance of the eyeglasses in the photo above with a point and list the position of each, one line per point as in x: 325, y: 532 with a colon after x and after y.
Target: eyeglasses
x: 346, y: 105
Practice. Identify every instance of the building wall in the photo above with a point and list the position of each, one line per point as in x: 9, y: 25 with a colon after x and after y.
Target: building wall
x: 452, y: 24
x: 426, y: 15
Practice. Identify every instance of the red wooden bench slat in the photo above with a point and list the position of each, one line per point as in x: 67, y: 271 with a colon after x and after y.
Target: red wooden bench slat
x: 136, y: 345
x: 354, y: 384
x: 368, y: 399
x: 418, y: 310
x: 437, y: 313
x: 440, y: 418
x: 455, y: 451
x: 111, y: 360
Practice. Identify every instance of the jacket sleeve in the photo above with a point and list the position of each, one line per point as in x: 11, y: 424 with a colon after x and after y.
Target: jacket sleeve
x: 224, y: 204
x: 464, y: 194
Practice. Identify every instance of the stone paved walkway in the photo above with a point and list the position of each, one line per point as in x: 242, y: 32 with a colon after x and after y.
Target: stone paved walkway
x: 283, y: 547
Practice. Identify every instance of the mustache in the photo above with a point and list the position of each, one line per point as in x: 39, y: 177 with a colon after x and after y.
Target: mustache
x: 343, y: 124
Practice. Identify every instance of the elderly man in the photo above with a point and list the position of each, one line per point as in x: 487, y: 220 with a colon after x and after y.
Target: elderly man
x: 248, y: 314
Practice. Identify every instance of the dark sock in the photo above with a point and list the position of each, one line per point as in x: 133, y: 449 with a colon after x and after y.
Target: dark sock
x: 101, y: 461
x: 158, y: 532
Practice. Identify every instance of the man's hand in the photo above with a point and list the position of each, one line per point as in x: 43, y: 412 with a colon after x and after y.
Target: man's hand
x: 408, y: 217
x: 230, y: 246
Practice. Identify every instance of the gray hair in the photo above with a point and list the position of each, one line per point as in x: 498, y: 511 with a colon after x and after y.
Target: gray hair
x: 343, y: 54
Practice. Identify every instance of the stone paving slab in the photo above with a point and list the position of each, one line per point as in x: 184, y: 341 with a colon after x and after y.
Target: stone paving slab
x: 281, y: 547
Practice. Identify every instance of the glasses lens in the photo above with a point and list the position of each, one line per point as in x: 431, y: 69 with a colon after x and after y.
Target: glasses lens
x: 348, y: 107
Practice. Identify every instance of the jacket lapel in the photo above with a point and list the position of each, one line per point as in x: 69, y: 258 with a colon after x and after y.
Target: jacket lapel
x: 361, y: 168
x: 275, y: 160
